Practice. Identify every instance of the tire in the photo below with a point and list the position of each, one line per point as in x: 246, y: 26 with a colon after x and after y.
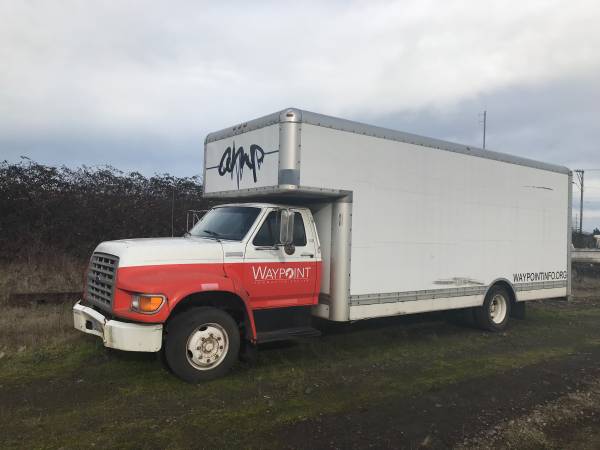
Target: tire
x: 202, y: 344
x: 493, y: 315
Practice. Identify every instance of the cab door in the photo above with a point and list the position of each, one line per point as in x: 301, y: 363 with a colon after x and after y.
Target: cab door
x: 274, y: 279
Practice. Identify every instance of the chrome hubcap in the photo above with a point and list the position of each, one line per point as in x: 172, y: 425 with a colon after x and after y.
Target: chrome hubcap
x: 207, y: 346
x: 498, y: 308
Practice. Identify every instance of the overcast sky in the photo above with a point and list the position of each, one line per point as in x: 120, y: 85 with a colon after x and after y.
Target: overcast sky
x: 138, y: 84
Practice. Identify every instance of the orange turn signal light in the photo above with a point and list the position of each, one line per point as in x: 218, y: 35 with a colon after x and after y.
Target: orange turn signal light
x: 147, y: 303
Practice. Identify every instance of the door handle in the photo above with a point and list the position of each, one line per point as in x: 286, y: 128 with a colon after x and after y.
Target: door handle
x: 310, y: 255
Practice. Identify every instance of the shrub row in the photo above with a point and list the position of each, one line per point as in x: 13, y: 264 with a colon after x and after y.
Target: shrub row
x: 59, y: 209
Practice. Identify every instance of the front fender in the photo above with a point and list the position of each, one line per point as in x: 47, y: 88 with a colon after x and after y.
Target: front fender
x: 175, y: 281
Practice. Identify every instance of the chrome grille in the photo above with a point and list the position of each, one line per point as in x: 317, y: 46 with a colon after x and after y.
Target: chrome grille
x: 101, y: 277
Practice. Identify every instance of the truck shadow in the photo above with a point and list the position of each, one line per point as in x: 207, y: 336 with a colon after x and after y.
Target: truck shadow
x: 408, y: 328
x: 414, y: 326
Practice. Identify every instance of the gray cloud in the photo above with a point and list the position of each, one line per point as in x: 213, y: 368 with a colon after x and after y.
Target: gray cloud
x: 552, y: 121
x: 139, y: 84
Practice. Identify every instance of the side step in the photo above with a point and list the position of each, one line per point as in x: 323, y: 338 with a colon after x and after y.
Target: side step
x: 287, y: 334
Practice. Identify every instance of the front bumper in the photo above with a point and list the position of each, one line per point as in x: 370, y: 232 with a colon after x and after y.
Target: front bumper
x: 131, y: 337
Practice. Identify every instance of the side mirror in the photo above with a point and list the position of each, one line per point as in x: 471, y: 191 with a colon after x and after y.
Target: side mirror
x: 286, y: 230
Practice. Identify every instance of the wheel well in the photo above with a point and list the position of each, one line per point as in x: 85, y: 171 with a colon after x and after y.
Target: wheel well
x: 506, y: 285
x: 226, y: 301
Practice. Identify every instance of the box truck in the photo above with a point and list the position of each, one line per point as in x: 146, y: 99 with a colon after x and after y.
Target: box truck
x: 329, y: 218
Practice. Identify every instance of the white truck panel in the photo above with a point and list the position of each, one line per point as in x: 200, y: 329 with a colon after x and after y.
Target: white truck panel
x: 427, y: 219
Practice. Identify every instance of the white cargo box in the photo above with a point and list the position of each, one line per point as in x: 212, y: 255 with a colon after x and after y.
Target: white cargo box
x: 406, y: 223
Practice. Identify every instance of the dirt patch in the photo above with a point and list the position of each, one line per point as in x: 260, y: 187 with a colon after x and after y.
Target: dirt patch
x: 443, y: 417
x: 570, y: 421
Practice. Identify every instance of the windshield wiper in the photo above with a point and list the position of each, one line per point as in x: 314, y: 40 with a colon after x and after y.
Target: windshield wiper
x: 212, y: 233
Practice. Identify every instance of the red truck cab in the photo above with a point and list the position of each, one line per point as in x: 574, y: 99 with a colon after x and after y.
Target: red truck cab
x: 246, y: 273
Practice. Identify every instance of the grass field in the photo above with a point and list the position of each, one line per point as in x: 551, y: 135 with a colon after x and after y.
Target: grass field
x: 59, y: 388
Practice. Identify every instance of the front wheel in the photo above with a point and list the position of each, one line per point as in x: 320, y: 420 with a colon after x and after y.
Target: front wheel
x: 202, y: 344
x: 494, y: 313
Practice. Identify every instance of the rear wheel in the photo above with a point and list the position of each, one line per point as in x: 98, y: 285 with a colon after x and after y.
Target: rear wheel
x: 494, y: 313
x: 202, y: 344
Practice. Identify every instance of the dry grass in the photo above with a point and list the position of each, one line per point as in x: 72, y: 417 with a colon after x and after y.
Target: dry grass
x: 30, y: 328
x: 27, y: 328
x: 44, y: 325
x: 48, y: 273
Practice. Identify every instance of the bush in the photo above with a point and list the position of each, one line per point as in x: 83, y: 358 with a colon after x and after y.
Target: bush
x: 58, y: 209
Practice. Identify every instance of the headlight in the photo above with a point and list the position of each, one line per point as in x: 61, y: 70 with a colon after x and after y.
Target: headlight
x: 147, y: 303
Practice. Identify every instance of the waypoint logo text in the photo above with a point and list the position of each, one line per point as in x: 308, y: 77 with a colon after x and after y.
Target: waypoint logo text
x: 264, y: 273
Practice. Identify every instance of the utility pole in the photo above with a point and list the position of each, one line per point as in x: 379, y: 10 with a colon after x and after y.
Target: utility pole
x: 484, y: 125
x: 579, y: 173
x: 172, y: 210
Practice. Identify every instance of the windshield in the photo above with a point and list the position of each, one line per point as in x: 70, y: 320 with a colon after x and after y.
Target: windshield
x: 227, y: 222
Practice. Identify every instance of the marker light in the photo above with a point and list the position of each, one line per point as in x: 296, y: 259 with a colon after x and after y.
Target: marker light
x: 147, y: 303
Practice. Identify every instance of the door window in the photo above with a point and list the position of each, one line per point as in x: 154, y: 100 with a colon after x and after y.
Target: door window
x: 299, y: 231
x: 268, y: 234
